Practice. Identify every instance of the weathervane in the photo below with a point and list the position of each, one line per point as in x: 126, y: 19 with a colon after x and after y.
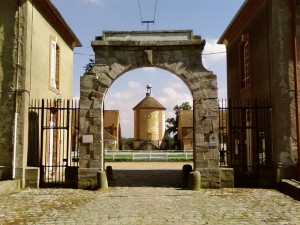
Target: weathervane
x: 147, y: 21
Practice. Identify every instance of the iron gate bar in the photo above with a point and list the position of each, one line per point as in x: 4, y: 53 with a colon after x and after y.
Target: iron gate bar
x: 245, y: 137
x: 58, y: 123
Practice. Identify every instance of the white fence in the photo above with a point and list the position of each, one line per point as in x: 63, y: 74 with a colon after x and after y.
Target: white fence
x: 138, y: 155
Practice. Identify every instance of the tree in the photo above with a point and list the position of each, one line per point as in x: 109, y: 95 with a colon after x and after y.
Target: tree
x: 89, y: 66
x: 172, y: 123
x: 127, y: 143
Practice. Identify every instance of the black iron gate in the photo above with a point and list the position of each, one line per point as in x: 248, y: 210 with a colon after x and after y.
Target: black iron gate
x: 246, y: 139
x: 53, y: 141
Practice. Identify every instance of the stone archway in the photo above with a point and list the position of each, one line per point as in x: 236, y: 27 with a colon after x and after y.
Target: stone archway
x: 179, y: 52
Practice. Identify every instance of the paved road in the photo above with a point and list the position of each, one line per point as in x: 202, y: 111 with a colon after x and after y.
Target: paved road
x: 144, y: 205
x: 148, y: 205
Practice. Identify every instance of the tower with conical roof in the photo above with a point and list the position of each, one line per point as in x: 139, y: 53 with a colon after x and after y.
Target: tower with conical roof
x: 149, y: 122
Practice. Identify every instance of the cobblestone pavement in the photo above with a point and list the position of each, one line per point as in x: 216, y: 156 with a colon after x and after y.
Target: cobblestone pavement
x: 149, y: 205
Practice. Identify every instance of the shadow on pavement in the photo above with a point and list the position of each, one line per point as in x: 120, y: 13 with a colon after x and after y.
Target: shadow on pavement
x: 145, y: 178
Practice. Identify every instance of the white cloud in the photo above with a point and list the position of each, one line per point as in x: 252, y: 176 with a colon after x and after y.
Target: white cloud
x: 170, y: 114
x: 135, y: 86
x: 214, y: 59
x: 120, y: 95
x: 213, y: 52
x: 170, y: 93
x: 171, y: 97
x: 175, y: 85
x: 149, y: 69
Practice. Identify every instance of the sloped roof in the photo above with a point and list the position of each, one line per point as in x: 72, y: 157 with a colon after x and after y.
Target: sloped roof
x: 189, y: 136
x: 186, y: 118
x: 111, y: 117
x: 107, y: 135
x: 239, y: 20
x: 53, y: 16
x: 149, y: 102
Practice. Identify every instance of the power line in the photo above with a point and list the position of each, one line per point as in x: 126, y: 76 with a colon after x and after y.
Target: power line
x: 155, y: 11
x: 147, y: 21
x: 211, y: 53
x: 78, y: 53
x: 140, y: 12
x: 214, y: 53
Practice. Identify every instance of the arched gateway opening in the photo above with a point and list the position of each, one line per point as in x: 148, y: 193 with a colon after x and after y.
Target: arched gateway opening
x: 179, y: 52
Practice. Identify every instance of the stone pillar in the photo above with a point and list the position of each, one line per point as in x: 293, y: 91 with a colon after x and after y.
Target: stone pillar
x: 91, y: 128
x: 206, y: 143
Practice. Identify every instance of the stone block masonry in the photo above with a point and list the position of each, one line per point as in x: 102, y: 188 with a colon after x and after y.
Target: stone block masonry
x: 178, y: 52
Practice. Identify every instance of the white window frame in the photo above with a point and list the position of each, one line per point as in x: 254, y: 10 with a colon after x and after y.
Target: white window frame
x: 54, y: 65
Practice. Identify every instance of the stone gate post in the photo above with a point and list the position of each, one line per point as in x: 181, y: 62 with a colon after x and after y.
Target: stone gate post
x: 178, y: 52
x: 91, y: 131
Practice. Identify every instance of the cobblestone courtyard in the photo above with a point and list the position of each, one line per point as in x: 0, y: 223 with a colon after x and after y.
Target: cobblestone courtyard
x: 149, y: 205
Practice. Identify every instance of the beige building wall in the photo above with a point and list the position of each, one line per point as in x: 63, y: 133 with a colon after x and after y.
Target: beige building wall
x: 185, y: 129
x: 40, y: 32
x: 25, y: 34
x: 149, y: 121
x: 112, y: 130
x: 187, y: 141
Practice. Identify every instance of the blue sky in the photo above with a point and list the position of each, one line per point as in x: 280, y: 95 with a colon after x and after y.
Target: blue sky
x: 208, y: 18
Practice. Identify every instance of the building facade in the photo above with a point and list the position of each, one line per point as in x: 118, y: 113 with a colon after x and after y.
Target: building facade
x: 36, y: 61
x: 185, y: 129
x: 112, y: 130
x: 149, y: 123
x: 262, y: 43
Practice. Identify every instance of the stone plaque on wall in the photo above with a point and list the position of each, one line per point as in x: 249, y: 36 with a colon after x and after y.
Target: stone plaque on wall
x: 88, y: 138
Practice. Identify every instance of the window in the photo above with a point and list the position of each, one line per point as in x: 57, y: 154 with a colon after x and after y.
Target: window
x: 54, y: 64
x: 244, y: 62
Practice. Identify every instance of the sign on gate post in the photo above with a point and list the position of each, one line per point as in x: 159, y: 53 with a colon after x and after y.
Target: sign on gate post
x: 213, y: 140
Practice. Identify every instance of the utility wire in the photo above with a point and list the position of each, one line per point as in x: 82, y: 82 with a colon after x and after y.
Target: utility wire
x: 78, y: 53
x: 147, y: 21
x: 155, y: 11
x: 140, y: 11
x: 211, y: 53
x: 214, y: 53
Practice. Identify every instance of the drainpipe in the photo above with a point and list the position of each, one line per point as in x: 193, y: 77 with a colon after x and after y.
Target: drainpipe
x: 296, y: 82
x: 16, y: 98
x: 102, y: 136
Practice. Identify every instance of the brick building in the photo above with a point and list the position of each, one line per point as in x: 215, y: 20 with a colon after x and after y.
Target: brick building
x: 262, y: 43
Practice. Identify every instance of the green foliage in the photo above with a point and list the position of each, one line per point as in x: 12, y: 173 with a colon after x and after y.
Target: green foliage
x: 172, y: 123
x: 89, y: 66
x: 171, y: 145
x: 127, y: 143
